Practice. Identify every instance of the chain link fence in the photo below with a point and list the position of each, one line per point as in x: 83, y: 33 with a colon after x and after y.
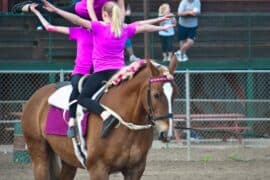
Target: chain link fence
x: 222, y: 105
x: 212, y: 107
x: 16, y: 88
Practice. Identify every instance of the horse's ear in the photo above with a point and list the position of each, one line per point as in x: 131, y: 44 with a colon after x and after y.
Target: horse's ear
x: 153, y: 69
x: 173, y: 64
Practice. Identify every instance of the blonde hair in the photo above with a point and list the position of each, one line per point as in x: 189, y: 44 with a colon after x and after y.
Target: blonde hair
x: 162, y: 8
x: 115, y: 15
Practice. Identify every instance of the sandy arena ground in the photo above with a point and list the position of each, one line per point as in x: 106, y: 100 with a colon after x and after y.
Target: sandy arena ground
x: 207, y: 162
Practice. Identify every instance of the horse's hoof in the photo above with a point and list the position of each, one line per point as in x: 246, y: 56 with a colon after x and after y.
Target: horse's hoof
x: 108, y: 124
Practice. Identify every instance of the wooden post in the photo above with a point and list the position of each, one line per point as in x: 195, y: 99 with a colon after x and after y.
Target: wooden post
x: 146, y: 35
x: 4, y: 6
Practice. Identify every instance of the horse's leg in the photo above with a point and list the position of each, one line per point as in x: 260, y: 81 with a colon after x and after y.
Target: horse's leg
x: 134, y: 173
x: 67, y: 172
x: 98, y: 172
x: 54, y: 167
x: 40, y: 159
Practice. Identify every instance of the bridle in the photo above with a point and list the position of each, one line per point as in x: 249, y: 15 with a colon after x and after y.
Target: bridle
x: 151, y: 113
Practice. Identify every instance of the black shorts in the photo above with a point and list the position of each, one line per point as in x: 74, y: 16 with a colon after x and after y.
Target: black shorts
x: 186, y: 33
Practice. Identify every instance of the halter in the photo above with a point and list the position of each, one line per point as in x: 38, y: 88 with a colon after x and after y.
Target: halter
x: 151, y: 116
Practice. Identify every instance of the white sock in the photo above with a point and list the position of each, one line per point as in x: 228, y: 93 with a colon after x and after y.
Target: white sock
x: 71, y: 122
x: 105, y: 114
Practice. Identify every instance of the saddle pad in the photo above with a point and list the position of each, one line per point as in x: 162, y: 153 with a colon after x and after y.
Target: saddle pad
x: 56, y: 125
x: 60, y: 97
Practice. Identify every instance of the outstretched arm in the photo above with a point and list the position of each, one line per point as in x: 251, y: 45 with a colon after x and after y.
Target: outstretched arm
x: 155, y: 20
x: 121, y: 4
x: 152, y: 28
x: 67, y: 15
x: 46, y: 24
x: 90, y: 9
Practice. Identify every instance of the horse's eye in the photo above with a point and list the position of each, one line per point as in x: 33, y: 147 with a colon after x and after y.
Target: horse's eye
x: 157, y: 96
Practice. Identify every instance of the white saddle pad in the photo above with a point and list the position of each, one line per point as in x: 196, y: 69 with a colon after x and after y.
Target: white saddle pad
x: 60, y: 98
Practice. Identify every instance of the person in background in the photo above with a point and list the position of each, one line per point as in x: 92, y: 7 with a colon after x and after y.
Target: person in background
x: 83, y: 61
x: 166, y: 37
x: 128, y: 44
x: 188, y: 12
x: 109, y: 37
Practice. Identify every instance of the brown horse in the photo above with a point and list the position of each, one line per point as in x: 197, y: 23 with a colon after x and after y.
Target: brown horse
x: 139, y: 100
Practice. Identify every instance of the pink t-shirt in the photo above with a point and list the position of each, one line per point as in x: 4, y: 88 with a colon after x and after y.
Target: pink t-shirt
x: 84, y: 39
x: 81, y: 8
x: 108, y: 51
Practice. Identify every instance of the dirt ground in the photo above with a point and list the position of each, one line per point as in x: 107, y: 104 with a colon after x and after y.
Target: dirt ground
x: 241, y: 163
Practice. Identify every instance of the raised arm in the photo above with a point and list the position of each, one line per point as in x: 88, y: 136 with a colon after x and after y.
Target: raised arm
x: 90, y: 9
x: 155, y: 20
x: 121, y: 4
x: 152, y: 28
x: 67, y: 15
x: 46, y: 24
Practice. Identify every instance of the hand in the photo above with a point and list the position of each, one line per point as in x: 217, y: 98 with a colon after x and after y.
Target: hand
x: 33, y: 7
x: 167, y: 27
x: 166, y: 17
x: 48, y: 6
x: 128, y: 12
x: 169, y: 16
x: 192, y: 13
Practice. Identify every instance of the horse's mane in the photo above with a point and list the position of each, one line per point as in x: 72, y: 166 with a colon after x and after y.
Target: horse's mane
x: 128, y: 72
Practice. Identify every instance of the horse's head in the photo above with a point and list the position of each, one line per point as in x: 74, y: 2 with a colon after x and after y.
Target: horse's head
x: 151, y: 93
x: 158, y: 99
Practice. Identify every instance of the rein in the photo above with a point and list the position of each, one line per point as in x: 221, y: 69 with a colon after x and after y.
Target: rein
x: 127, y: 124
x: 151, y: 116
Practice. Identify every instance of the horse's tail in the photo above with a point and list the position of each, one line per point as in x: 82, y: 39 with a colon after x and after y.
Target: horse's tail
x: 54, y: 164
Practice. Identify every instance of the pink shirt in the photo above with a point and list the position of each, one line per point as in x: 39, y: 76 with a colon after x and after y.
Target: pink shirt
x: 83, y: 61
x: 81, y: 8
x: 108, y: 51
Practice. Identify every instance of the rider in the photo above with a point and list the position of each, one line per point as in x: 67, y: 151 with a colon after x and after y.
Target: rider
x: 109, y: 37
x: 83, y: 61
x: 90, y: 9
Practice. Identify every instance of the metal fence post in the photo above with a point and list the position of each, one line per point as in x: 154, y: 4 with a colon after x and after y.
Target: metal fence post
x: 250, y: 96
x: 249, y: 38
x: 187, y: 82
x: 51, y: 78
x: 61, y: 75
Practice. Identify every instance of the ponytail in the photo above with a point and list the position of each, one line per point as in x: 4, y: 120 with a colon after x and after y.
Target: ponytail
x: 114, y: 12
x: 116, y: 21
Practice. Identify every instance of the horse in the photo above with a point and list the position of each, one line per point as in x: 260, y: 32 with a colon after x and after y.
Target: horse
x: 141, y: 100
